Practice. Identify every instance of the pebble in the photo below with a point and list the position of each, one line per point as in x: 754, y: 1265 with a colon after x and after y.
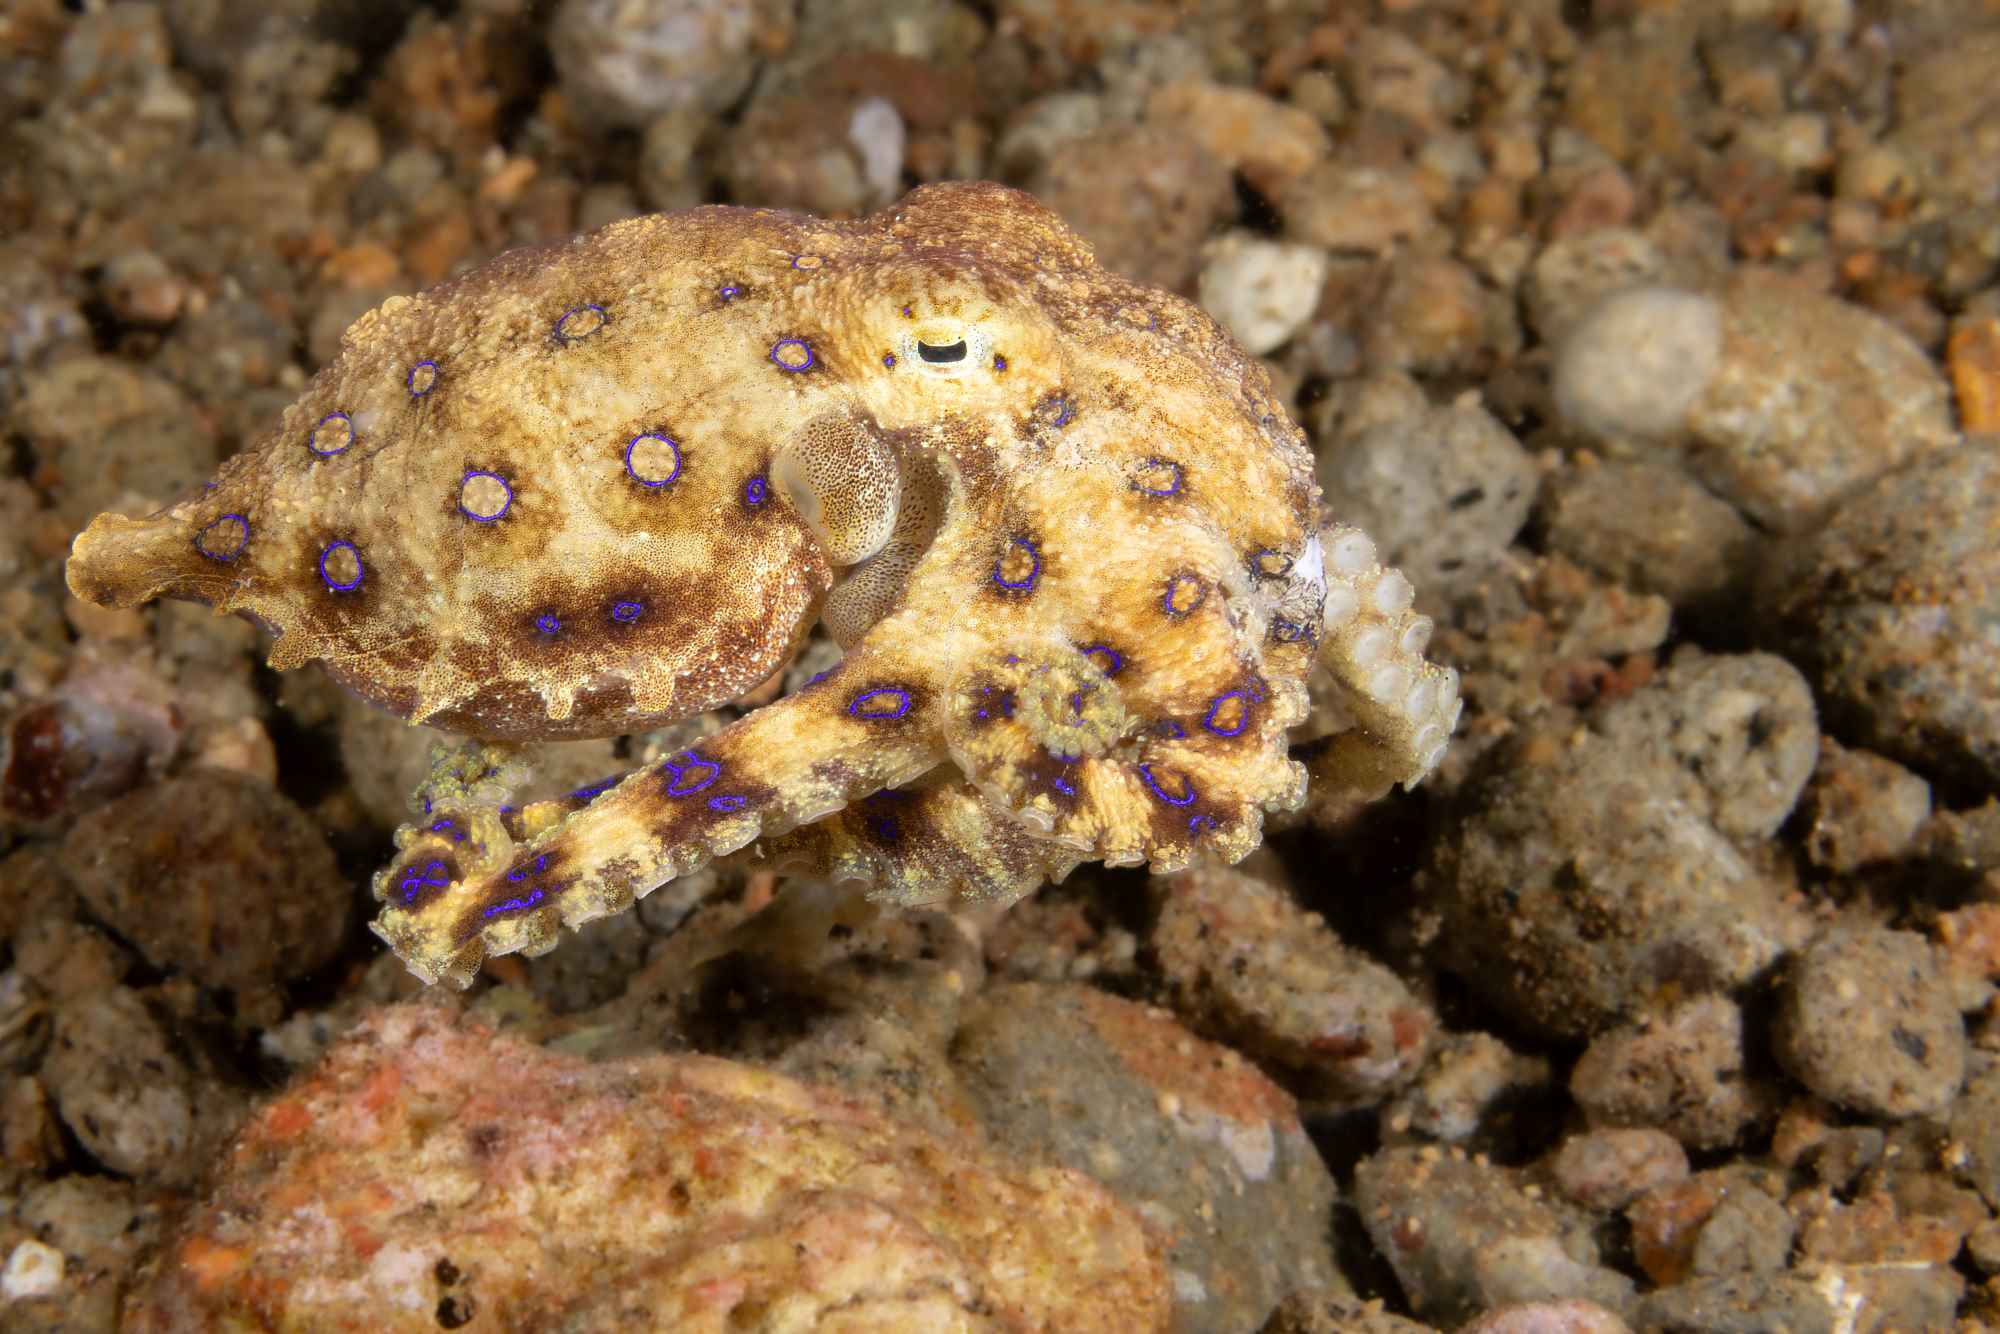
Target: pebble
x: 1577, y: 875
x: 1270, y: 143
x: 122, y: 1087
x: 213, y: 874
x: 1776, y: 398
x: 1866, y: 1019
x: 1683, y: 1072
x: 1889, y: 609
x: 1572, y: 274
x: 1185, y: 1132
x: 1261, y: 291
x: 1391, y: 75
x: 1651, y: 527
x: 1146, y: 199
x: 1631, y: 367
x: 403, y: 1152
x: 33, y: 1269
x: 1740, y: 726
x: 624, y: 62
x: 1442, y: 490
x: 1565, y: 1317
x: 1435, y: 319
x: 1973, y: 357
x: 1466, y: 1094
x: 1608, y: 1169
x: 1861, y: 809
x: 107, y: 428
x: 1463, y: 1235
x: 1353, y: 209
x: 1338, y: 1313
x: 1245, y: 964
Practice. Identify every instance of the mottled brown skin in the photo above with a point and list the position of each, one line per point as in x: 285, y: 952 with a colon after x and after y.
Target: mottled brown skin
x: 1068, y: 539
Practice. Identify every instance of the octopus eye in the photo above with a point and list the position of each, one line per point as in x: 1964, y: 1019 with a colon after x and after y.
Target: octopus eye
x: 941, y: 354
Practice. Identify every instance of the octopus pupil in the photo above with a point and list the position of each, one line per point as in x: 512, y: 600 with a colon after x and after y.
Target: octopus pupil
x: 943, y: 354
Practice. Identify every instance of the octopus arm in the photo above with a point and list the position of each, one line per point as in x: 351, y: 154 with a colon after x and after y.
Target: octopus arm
x: 484, y: 885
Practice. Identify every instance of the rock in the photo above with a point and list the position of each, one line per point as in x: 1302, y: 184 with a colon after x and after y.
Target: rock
x: 1607, y: 1169
x: 216, y: 875
x: 1681, y: 1072
x: 437, y: 1171
x: 624, y: 63
x: 1829, y: 1302
x: 1567, y: 1317
x: 1890, y: 609
x: 1651, y: 527
x: 1861, y: 809
x: 1580, y: 872
x: 1145, y: 198
x: 1261, y: 291
x: 123, y: 1088
x: 1867, y: 1019
x: 1270, y: 143
x: 1355, y: 209
x: 1572, y: 274
x: 1188, y: 1134
x: 1323, y: 1313
x: 1740, y: 726
x: 1466, y: 1093
x: 1462, y: 1235
x: 1974, y: 1127
x: 106, y: 429
x: 1246, y: 965
x: 1435, y: 319
x: 1777, y: 399
x: 1442, y: 490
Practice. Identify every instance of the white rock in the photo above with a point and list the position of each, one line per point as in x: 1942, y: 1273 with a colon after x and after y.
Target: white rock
x: 34, y: 1269
x: 1262, y: 291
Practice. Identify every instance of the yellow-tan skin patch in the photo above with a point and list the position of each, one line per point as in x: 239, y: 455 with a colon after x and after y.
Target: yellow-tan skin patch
x: 1067, y: 537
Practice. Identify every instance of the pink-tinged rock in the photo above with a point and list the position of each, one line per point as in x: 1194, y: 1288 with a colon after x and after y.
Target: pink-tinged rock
x: 431, y: 1172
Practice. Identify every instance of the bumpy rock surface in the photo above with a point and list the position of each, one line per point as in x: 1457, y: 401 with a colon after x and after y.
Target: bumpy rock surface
x: 1893, y: 605
x: 430, y: 1172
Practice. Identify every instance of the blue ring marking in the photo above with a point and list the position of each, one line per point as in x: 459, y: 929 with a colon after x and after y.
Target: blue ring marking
x: 884, y: 827
x: 1034, y: 569
x: 505, y: 505
x: 521, y: 873
x: 889, y: 360
x: 671, y: 444
x: 729, y: 291
x: 1200, y: 824
x: 1215, y: 706
x: 565, y: 337
x: 679, y: 781
x: 1065, y: 412
x: 414, y: 881
x: 312, y: 436
x: 1258, y: 557
x: 1146, y: 773
x: 1170, y: 729
x: 528, y: 900
x: 430, y: 381
x: 728, y: 801
x: 756, y: 491
x: 999, y: 362
x: 1116, y: 660
x: 1290, y: 632
x: 592, y: 791
x: 242, y: 540
x: 1172, y: 488
x: 817, y: 677
x: 548, y: 623
x: 799, y: 262
x: 447, y: 825
x: 858, y: 706
x: 627, y: 613
x: 360, y: 570
x: 1168, y: 600
x: 799, y: 343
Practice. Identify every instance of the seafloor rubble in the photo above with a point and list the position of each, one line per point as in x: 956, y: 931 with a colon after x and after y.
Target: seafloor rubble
x: 1658, y: 343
